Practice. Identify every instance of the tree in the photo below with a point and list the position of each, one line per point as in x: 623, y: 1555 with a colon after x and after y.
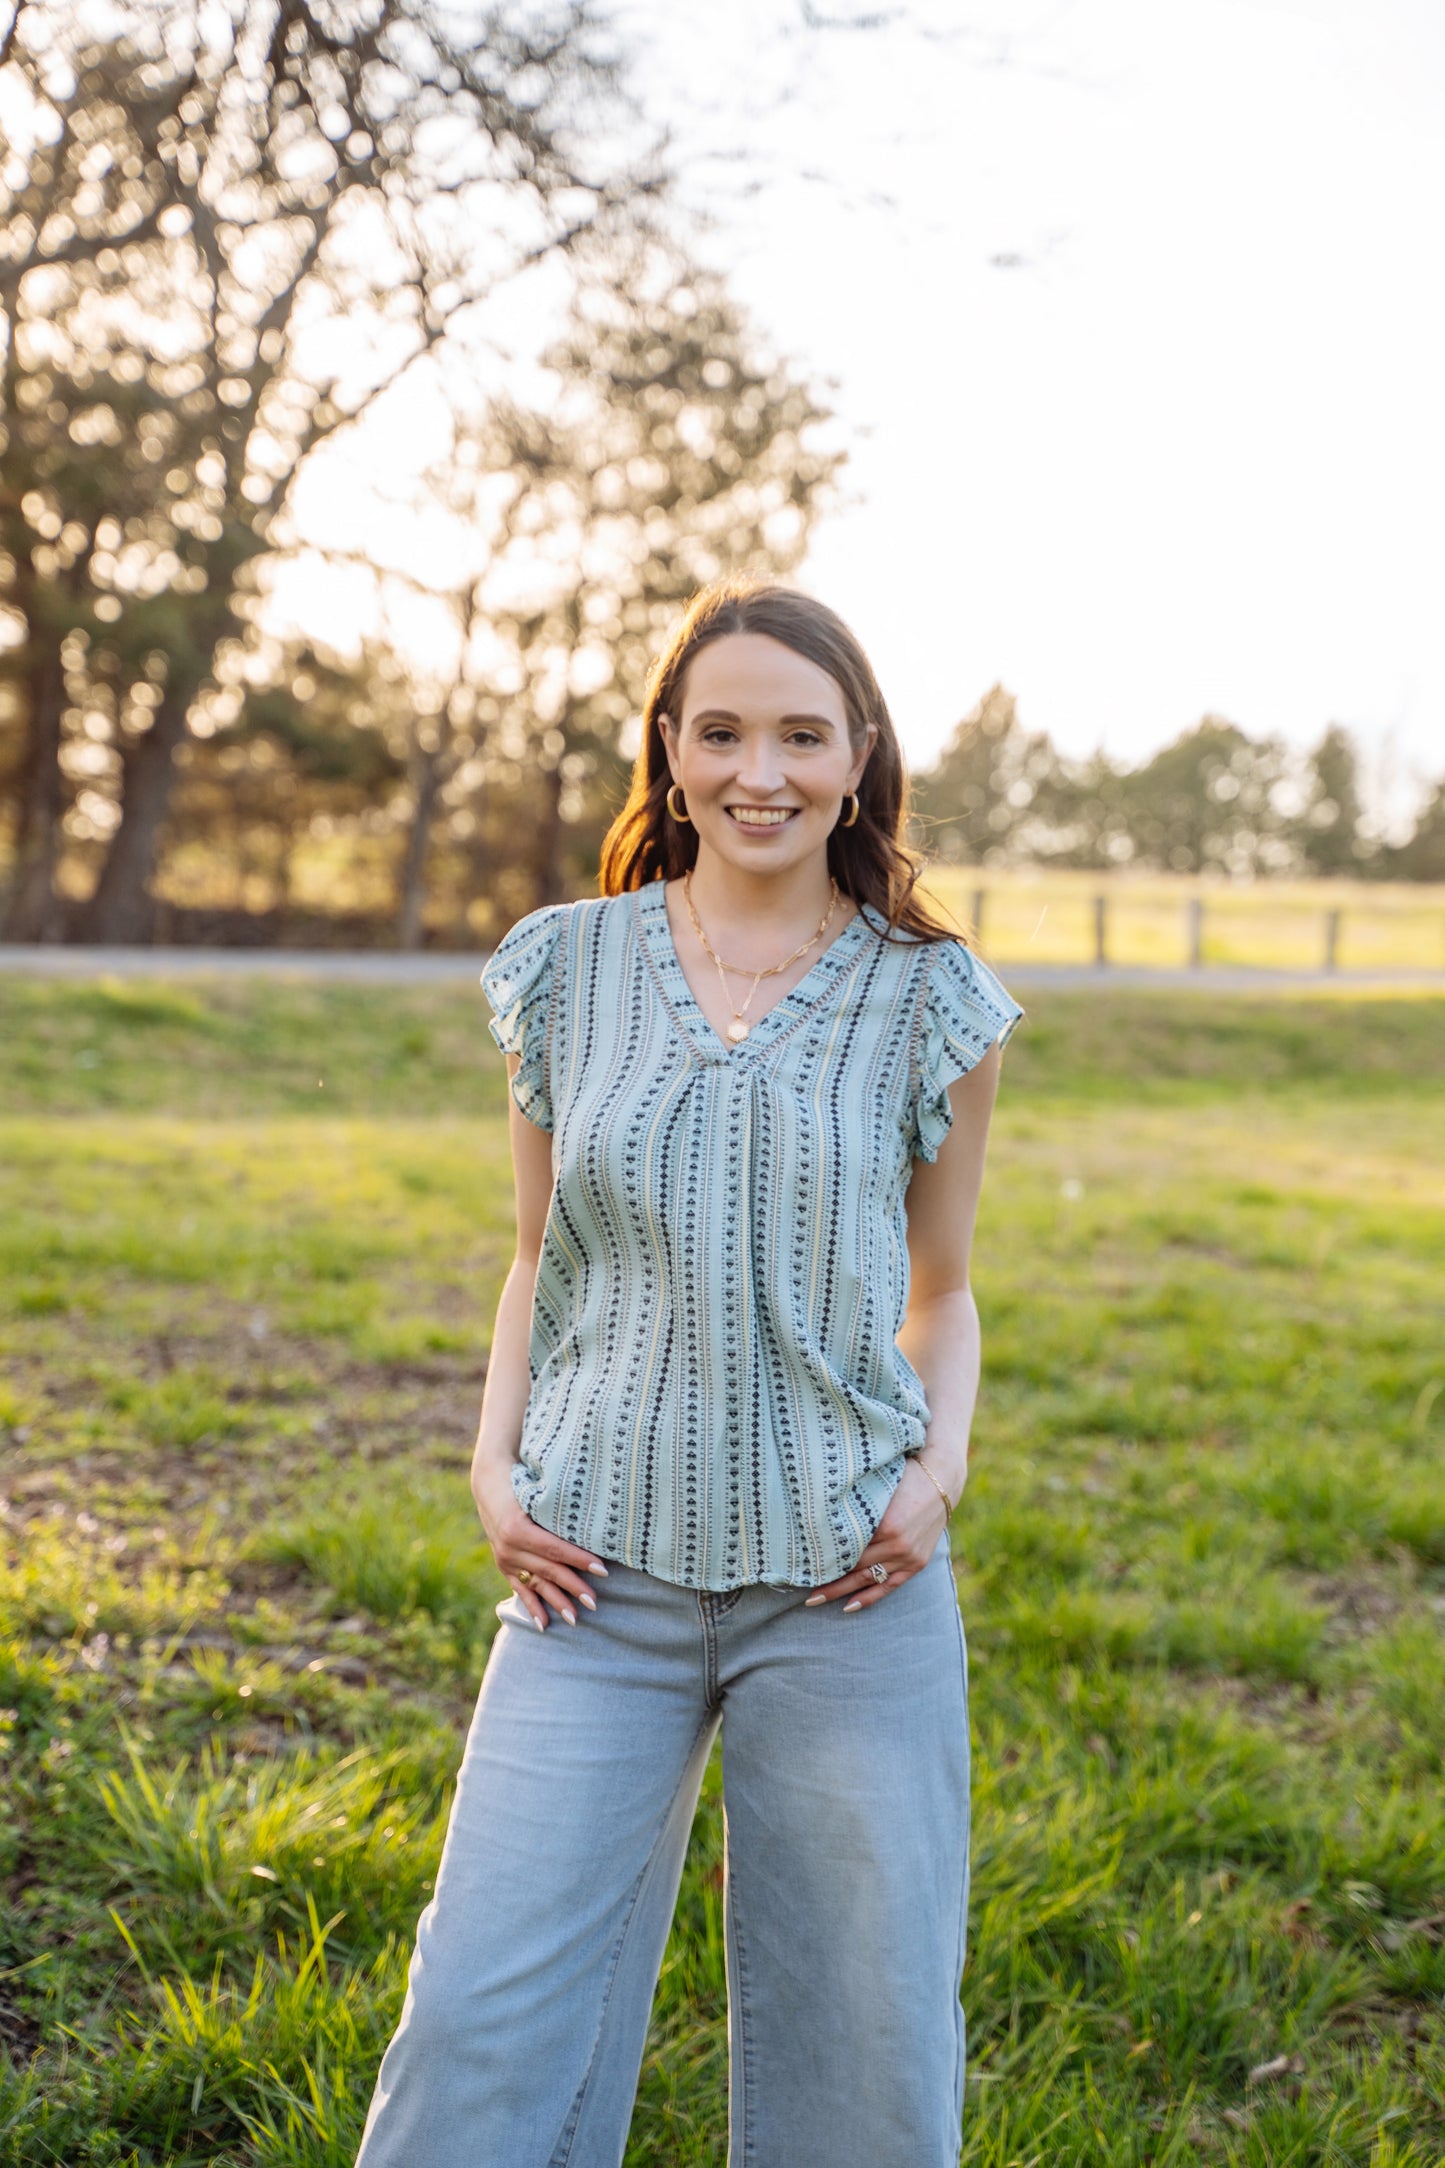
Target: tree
x: 974, y: 804
x: 1421, y: 857
x: 1212, y: 799
x: 666, y: 444
x: 1207, y: 802
x: 294, y: 741
x: 1326, y: 831
x: 678, y: 447
x: 230, y: 230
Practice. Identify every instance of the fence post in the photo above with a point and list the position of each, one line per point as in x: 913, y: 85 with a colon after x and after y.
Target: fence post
x: 1196, y: 932
x: 980, y: 897
x: 1332, y: 940
x: 1101, y: 929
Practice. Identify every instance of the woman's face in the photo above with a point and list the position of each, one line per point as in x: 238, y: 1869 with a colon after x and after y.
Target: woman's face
x: 762, y: 752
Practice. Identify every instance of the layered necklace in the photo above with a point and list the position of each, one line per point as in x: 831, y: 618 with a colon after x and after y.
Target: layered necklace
x: 739, y: 1028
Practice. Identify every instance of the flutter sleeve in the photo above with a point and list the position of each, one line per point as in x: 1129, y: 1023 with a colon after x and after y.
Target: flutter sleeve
x: 517, y: 981
x: 965, y: 1012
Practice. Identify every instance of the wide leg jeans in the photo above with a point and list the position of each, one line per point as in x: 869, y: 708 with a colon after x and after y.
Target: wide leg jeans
x: 846, y: 1804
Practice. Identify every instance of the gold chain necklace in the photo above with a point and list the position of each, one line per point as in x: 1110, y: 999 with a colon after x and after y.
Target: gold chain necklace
x: 739, y: 1028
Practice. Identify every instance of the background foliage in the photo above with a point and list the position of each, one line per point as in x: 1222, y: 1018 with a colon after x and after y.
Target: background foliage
x: 230, y: 237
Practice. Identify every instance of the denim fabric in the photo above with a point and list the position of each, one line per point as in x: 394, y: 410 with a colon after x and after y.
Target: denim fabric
x: 846, y: 1791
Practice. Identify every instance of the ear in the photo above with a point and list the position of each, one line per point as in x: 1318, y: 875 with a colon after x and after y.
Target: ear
x: 860, y: 758
x: 665, y: 732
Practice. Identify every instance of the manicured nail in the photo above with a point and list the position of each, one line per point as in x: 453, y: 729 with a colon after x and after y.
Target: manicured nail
x: 809, y: 1601
x: 855, y: 1605
x: 585, y: 1595
x: 570, y: 1616
x: 595, y: 1565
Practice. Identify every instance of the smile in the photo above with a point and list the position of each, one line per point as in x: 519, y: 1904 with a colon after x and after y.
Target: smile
x: 748, y: 816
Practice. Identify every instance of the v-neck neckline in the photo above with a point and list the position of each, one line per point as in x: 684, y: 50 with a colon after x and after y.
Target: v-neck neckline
x: 818, y: 981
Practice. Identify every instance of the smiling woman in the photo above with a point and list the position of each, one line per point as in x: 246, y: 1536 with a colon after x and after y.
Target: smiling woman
x: 732, y: 1379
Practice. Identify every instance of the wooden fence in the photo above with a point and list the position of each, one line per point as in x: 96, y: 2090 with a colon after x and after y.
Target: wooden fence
x: 1061, y: 919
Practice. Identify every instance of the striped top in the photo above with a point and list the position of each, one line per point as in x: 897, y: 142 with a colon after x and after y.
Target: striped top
x: 717, y: 1393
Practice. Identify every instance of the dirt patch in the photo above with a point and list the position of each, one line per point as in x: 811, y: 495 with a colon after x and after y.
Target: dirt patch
x: 19, y: 2034
x: 1359, y: 1604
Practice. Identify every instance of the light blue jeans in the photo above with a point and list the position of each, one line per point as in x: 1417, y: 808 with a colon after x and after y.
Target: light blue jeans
x: 846, y: 1804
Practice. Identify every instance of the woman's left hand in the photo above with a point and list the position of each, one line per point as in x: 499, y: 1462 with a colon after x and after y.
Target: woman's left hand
x: 904, y: 1541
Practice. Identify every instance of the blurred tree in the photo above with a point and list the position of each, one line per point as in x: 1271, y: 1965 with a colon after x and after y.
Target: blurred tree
x: 228, y: 229
x: 988, y: 786
x: 665, y: 445
x: 1326, y: 832
x: 1208, y: 802
x: 304, y: 750
x: 677, y: 448
x: 1421, y: 857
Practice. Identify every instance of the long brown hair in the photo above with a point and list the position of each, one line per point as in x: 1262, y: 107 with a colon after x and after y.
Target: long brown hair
x: 870, y: 861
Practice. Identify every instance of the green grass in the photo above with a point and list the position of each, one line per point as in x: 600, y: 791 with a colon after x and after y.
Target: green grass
x: 235, y: 1047
x: 1201, y: 1557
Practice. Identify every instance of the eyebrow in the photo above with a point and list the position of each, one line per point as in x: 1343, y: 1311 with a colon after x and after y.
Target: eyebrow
x: 725, y: 715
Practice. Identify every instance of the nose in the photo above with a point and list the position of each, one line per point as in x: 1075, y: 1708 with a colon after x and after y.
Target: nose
x: 760, y: 767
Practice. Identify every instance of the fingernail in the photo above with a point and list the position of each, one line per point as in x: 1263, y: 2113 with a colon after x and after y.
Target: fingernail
x: 595, y: 1565
x: 570, y: 1616
x: 809, y: 1601
x: 855, y: 1605
x: 586, y: 1596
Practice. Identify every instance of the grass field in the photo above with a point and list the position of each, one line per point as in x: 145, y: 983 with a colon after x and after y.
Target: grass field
x: 251, y: 1238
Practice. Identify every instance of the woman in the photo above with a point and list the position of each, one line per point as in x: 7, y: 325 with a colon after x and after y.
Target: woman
x: 725, y: 1422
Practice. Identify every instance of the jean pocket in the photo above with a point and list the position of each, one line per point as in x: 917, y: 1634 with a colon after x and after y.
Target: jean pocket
x: 513, y: 1612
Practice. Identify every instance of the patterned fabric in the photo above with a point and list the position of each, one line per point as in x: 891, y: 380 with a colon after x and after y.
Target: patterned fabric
x: 717, y: 1393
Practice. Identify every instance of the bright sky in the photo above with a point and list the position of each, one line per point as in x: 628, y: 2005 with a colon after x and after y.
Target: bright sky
x: 1138, y: 329
x: 1135, y: 325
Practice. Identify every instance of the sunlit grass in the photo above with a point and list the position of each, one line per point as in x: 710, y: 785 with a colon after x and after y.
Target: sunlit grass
x: 1201, y: 1557
x: 1038, y: 915
x: 423, y: 1052
x: 226, y: 1853
x: 393, y: 1553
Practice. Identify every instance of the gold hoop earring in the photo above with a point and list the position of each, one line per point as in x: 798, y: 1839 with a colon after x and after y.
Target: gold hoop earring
x: 854, y: 814
x: 685, y: 818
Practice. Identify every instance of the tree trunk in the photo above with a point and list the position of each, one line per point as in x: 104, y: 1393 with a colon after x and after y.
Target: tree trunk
x: 426, y: 786
x: 547, y: 855
x: 122, y: 910
x: 33, y: 911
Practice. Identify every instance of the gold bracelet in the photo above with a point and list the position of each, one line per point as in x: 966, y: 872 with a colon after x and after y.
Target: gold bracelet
x: 933, y: 1479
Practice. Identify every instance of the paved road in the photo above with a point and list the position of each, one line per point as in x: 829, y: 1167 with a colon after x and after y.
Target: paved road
x: 382, y: 967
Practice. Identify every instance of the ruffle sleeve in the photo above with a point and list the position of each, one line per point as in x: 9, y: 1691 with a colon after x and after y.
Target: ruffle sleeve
x: 517, y: 981
x: 965, y: 1012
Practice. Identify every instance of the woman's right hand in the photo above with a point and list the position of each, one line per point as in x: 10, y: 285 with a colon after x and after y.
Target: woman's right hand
x: 520, y: 1546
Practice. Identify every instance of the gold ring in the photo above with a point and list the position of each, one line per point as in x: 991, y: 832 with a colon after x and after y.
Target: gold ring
x: 524, y: 1574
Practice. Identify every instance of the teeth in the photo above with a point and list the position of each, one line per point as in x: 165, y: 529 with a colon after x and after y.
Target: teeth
x: 771, y: 818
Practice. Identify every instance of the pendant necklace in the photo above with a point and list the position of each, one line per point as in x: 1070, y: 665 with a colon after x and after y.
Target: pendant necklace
x: 739, y: 1028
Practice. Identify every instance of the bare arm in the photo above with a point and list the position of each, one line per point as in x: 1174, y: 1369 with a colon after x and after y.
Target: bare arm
x: 518, y: 1543
x: 939, y: 1336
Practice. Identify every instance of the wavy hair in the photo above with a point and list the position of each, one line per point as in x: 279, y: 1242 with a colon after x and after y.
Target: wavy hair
x: 870, y: 861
